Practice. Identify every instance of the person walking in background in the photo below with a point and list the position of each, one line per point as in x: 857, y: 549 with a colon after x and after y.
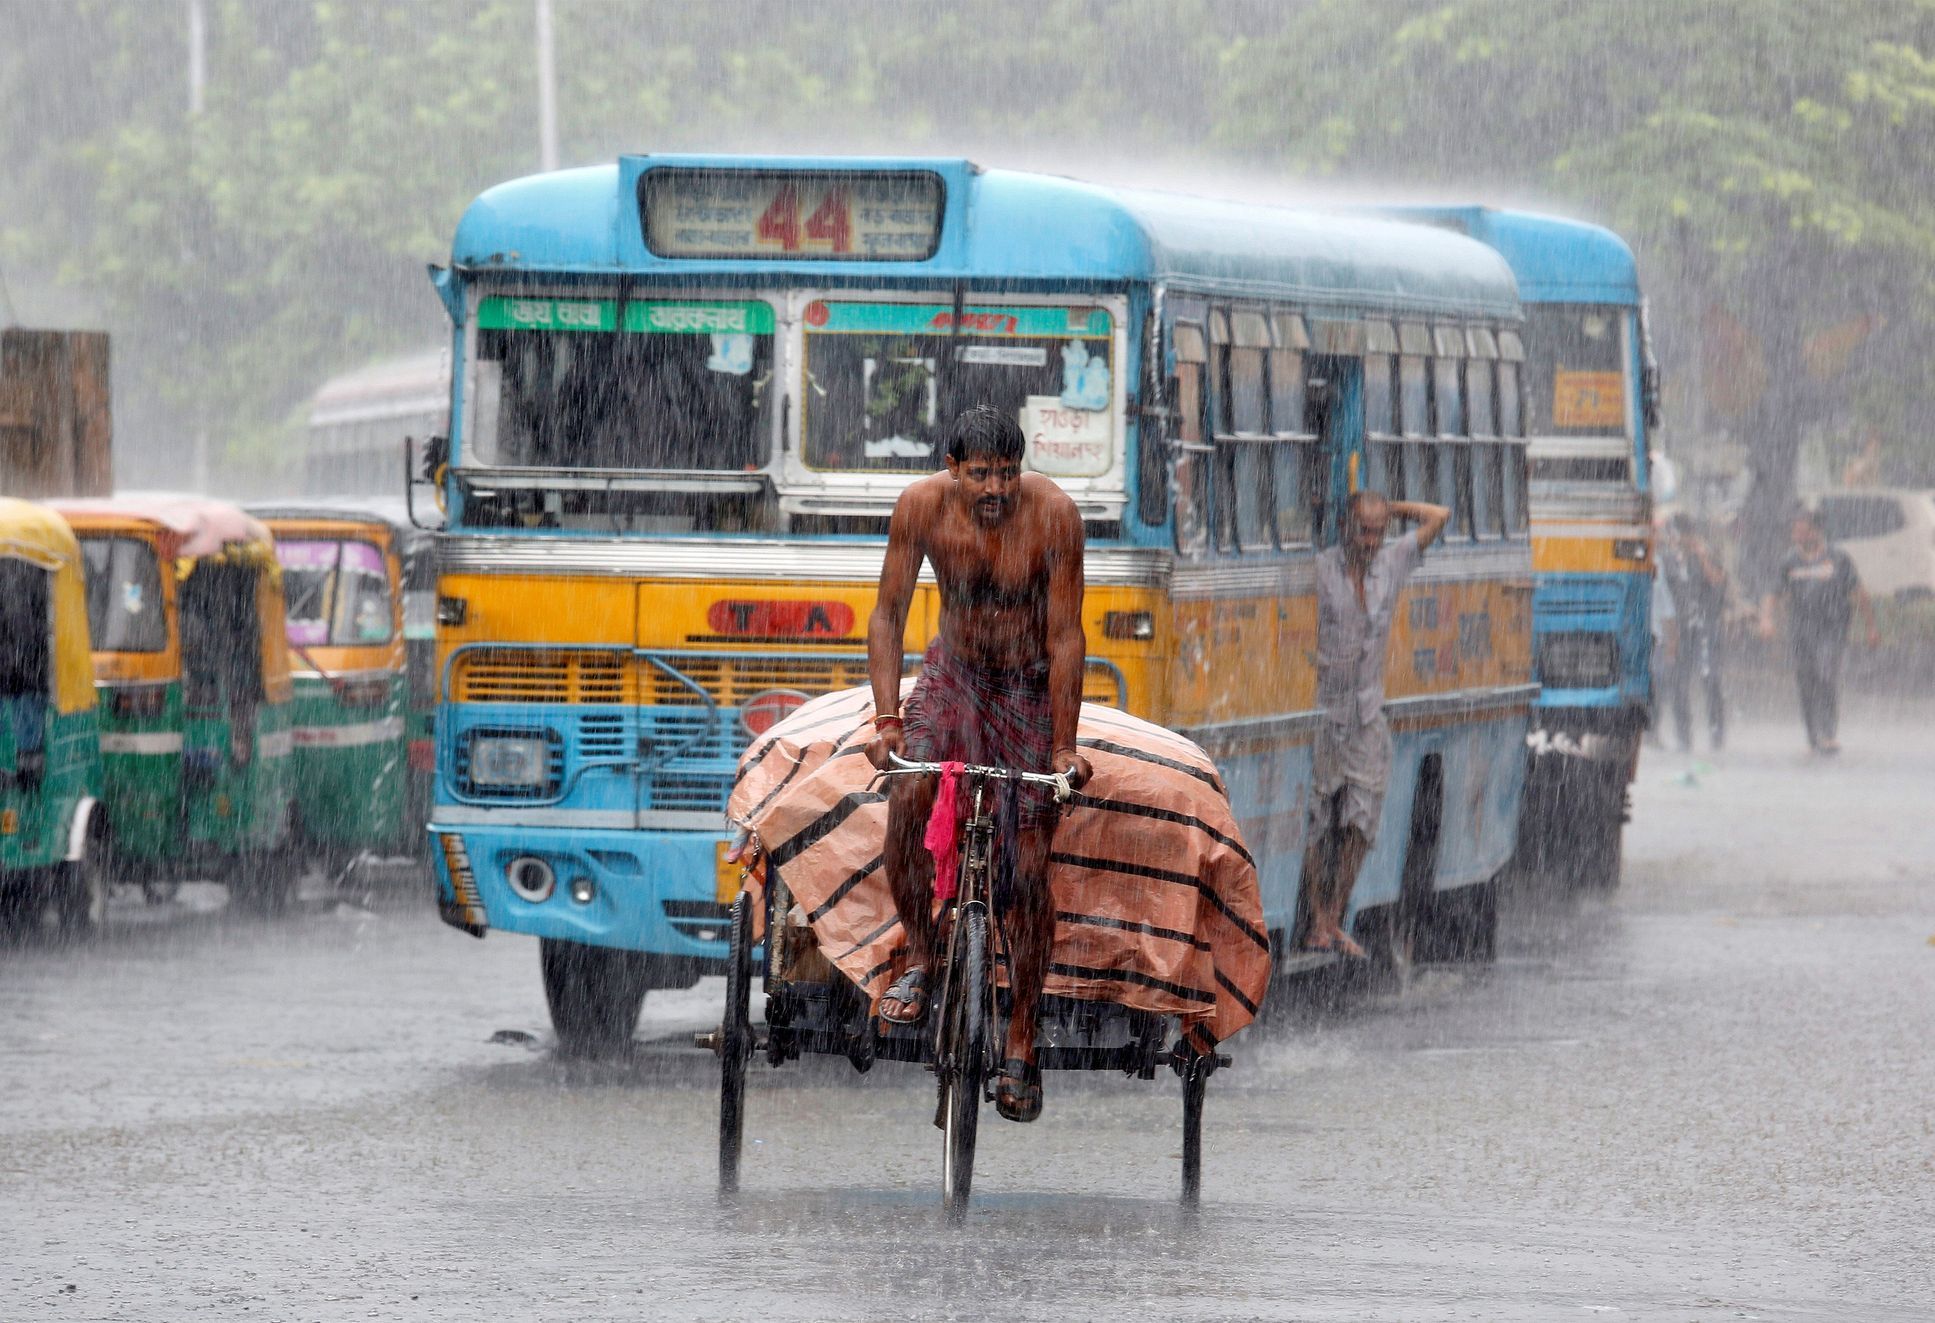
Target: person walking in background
x: 1666, y: 650
x: 1697, y: 582
x: 1820, y: 591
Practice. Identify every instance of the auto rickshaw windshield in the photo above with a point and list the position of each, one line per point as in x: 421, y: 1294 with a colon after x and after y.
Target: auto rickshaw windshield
x: 338, y: 593
x: 124, y: 602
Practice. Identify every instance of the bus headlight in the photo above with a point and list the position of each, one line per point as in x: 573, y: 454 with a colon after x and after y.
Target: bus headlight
x: 531, y: 878
x: 507, y: 761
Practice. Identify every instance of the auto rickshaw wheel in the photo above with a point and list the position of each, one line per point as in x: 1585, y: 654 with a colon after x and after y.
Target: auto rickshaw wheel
x: 81, y: 889
x: 161, y: 890
x: 21, y: 902
x: 595, y: 994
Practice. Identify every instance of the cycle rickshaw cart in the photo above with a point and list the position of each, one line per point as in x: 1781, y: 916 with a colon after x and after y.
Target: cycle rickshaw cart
x: 1159, y: 952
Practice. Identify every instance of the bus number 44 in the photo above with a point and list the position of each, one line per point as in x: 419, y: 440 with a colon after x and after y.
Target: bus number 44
x: 830, y: 224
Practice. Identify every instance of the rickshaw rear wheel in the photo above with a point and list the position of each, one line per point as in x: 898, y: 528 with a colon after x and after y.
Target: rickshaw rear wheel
x: 595, y: 994
x: 964, y: 1059
x: 1195, y: 1082
x: 735, y: 1045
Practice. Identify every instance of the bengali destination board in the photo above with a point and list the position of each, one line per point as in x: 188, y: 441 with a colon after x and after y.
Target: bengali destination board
x: 792, y: 214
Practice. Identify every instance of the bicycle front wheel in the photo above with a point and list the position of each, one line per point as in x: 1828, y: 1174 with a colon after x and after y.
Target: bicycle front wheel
x: 964, y: 1058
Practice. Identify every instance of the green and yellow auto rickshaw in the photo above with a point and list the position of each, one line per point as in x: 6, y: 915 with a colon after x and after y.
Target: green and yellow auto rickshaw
x: 184, y: 602
x: 347, y: 577
x: 51, y: 830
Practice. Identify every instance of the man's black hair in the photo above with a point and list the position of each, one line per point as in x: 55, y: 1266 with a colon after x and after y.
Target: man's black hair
x: 985, y: 430
x: 1364, y: 496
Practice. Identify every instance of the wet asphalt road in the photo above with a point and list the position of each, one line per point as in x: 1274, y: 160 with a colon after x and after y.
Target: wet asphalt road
x: 1705, y: 1097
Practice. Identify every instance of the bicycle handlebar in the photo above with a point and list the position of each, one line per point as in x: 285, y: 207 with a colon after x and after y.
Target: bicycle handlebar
x: 1056, y: 781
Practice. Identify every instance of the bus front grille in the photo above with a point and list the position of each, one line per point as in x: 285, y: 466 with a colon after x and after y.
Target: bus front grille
x: 532, y: 675
x: 604, y: 675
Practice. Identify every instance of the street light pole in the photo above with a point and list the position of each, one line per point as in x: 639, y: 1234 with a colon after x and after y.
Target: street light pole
x: 197, y: 55
x: 197, y: 89
x: 547, y: 75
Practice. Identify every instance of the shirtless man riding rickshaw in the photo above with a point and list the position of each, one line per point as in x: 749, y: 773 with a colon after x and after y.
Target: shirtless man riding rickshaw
x: 1000, y: 685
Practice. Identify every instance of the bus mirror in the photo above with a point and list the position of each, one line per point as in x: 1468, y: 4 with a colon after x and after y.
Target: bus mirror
x: 436, y: 459
x: 1649, y: 394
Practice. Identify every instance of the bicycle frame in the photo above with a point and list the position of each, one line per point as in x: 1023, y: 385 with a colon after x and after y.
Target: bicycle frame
x: 974, y: 889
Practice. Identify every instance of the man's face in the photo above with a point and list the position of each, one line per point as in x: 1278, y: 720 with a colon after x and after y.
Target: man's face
x: 988, y: 485
x: 1367, y: 527
x: 1807, y: 538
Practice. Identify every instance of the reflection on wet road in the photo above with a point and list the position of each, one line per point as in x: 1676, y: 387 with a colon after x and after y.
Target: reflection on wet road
x: 1703, y: 1097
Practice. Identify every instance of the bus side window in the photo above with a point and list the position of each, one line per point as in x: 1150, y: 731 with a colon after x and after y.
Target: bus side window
x: 1243, y: 452
x: 1517, y: 514
x: 1487, y: 496
x: 1384, y: 451
x: 1479, y: 393
x: 1447, y: 397
x: 1511, y: 385
x: 1292, y: 456
x: 1459, y: 498
x: 1488, y: 479
x: 1189, y: 472
x: 1423, y: 481
x: 1421, y: 472
x: 1511, y: 414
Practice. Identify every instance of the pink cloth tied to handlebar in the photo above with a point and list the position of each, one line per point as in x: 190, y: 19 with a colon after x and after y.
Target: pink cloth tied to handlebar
x: 943, y: 838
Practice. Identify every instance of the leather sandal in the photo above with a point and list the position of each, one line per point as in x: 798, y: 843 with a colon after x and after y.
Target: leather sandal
x: 908, y: 991
x: 1017, y: 1092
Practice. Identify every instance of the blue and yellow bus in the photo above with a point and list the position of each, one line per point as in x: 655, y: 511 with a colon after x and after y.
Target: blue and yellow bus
x: 1593, y: 404
x: 688, y: 390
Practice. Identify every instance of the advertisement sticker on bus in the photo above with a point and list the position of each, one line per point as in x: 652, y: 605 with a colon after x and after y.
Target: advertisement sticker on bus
x: 1065, y: 442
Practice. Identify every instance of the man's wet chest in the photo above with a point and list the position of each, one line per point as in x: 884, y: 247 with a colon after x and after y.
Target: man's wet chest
x: 1008, y: 569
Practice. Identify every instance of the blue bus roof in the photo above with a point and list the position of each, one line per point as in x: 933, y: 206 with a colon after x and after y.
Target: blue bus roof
x: 1556, y: 260
x: 1006, y: 225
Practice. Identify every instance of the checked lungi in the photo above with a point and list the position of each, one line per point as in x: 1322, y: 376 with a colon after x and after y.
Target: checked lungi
x: 959, y: 712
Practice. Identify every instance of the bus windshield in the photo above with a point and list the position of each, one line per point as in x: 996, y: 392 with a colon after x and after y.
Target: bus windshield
x: 1577, y: 374
x: 337, y: 593
x: 124, y: 607
x: 638, y: 384
x: 882, y: 380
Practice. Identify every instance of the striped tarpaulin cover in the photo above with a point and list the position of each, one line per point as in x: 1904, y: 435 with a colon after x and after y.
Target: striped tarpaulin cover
x: 1155, y: 894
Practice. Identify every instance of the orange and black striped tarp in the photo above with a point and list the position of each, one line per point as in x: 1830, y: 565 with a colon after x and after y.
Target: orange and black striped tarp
x: 1155, y: 894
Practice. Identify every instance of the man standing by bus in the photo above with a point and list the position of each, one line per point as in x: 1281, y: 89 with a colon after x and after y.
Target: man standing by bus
x: 1001, y: 685
x: 1358, y: 582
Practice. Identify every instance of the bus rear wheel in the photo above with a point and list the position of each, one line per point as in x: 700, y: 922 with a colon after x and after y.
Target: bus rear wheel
x: 595, y: 994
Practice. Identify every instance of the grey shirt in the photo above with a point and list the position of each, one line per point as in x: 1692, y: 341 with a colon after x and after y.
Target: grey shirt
x: 1352, y: 639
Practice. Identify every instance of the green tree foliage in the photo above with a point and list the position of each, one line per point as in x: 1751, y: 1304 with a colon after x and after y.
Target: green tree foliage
x: 1765, y: 159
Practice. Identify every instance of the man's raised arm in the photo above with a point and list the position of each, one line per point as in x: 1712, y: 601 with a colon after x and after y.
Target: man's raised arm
x: 1431, y: 519
x: 1067, y: 642
x: 887, y: 626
